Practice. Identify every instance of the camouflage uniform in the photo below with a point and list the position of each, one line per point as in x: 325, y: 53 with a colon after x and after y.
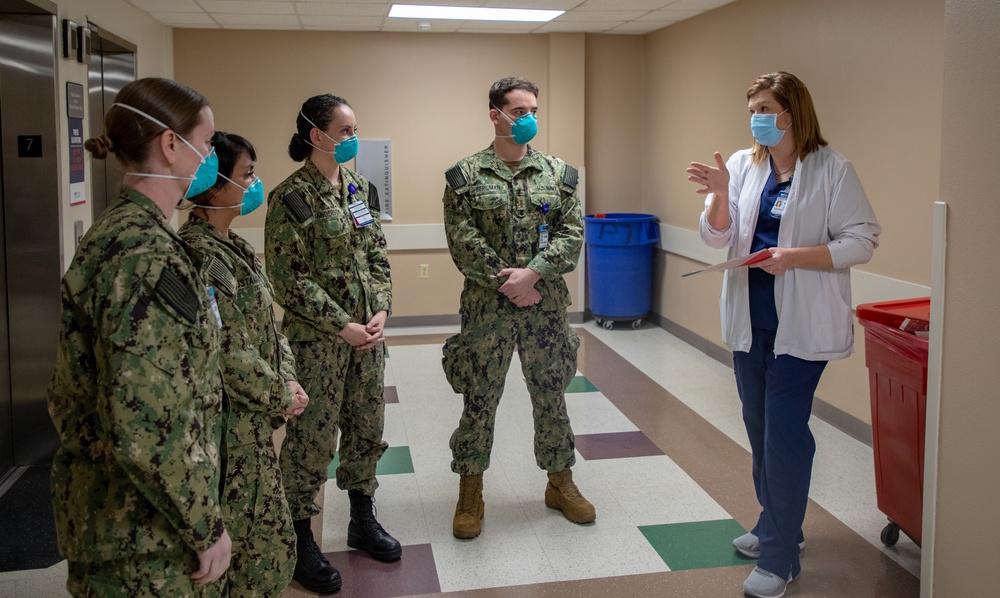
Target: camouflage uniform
x: 492, y: 218
x: 136, y: 399
x: 256, y: 364
x: 327, y: 273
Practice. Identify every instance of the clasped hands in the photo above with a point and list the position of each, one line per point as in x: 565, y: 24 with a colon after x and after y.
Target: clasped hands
x: 520, y: 286
x: 365, y: 336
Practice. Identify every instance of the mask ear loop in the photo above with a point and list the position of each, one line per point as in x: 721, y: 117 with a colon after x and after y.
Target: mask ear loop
x: 335, y: 142
x: 162, y: 124
x: 508, y: 118
x: 246, y: 190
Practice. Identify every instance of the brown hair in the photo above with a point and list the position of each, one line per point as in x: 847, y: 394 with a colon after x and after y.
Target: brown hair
x: 318, y: 109
x: 129, y: 135
x: 500, y: 89
x: 794, y: 97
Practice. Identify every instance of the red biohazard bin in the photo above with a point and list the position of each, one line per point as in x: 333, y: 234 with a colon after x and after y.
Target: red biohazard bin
x: 896, y: 356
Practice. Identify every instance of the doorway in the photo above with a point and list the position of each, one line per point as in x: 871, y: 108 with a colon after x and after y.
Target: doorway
x: 112, y: 66
x: 30, y: 266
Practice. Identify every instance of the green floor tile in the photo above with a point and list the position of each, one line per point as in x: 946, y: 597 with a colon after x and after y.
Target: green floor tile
x: 696, y: 545
x: 395, y: 459
x: 581, y: 384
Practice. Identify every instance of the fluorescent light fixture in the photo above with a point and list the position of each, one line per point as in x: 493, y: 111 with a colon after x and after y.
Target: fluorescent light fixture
x: 468, y: 13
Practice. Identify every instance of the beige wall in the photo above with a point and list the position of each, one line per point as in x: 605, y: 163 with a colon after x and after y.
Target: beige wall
x: 426, y: 92
x: 614, y: 123
x: 154, y: 57
x: 875, y: 72
x: 961, y: 545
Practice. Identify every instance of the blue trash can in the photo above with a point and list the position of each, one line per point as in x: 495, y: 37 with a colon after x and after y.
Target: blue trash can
x: 620, y: 266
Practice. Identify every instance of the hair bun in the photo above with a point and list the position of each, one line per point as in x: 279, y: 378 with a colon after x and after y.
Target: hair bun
x: 100, y: 146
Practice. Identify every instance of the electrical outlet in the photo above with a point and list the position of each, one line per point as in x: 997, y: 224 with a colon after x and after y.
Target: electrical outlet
x: 424, y: 271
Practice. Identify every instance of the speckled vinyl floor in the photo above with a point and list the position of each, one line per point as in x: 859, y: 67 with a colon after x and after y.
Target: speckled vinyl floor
x: 661, y: 453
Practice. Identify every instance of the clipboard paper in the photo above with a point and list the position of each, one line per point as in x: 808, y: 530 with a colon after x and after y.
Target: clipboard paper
x: 739, y: 262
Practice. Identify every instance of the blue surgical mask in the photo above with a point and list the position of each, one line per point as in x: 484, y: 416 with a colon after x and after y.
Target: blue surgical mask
x: 765, y: 129
x: 202, y: 179
x: 523, y: 129
x: 344, y: 151
x: 253, y: 197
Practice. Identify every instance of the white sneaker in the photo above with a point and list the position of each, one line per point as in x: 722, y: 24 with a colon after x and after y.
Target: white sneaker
x: 749, y: 546
x: 764, y: 584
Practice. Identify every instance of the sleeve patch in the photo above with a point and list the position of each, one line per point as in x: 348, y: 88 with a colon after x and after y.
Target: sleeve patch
x: 221, y: 277
x: 295, y: 201
x: 455, y: 177
x: 373, y: 202
x: 570, y: 177
x: 177, y: 295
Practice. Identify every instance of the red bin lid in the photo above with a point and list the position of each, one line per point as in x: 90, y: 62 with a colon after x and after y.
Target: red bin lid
x: 892, y: 313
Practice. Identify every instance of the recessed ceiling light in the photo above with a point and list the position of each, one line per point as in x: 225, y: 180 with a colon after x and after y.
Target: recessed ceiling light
x: 469, y: 13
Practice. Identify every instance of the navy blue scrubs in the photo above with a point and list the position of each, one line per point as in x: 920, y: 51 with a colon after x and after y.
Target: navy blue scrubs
x: 777, y: 395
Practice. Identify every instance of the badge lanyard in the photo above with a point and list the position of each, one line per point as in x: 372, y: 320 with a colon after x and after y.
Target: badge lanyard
x: 543, y: 230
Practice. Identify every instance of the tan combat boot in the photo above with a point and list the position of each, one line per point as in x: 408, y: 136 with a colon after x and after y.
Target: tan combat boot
x: 470, y: 508
x: 563, y: 495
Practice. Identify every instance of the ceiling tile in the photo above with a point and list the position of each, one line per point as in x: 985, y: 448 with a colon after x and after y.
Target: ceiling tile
x: 256, y: 21
x: 534, y: 4
x: 578, y: 26
x: 335, y: 23
x: 669, y: 16
x: 600, y: 15
x: 497, y: 27
x: 240, y: 7
x: 590, y: 16
x: 161, y: 6
x: 342, y: 8
x: 624, y: 4
x: 185, y: 19
x: 638, y: 27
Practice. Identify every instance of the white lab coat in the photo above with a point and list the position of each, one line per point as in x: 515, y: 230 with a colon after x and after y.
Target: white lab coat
x: 826, y: 205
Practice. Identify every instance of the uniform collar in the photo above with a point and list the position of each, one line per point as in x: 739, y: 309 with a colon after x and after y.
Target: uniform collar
x: 137, y: 197
x: 532, y: 159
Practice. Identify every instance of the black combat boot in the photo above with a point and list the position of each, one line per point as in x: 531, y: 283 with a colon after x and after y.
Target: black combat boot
x: 365, y: 533
x: 312, y: 570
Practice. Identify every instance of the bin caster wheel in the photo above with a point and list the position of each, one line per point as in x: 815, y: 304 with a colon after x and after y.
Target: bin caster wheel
x: 607, y: 324
x: 890, y: 534
x: 636, y: 324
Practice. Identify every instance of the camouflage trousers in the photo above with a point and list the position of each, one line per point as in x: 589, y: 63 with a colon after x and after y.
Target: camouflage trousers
x: 166, y: 573
x: 345, y: 391
x: 476, y: 362
x: 258, y: 522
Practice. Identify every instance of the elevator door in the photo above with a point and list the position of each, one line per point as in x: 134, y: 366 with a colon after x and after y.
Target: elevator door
x: 112, y: 65
x: 29, y: 235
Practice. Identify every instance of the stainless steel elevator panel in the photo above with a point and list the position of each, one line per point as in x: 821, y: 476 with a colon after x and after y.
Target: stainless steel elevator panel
x: 112, y: 66
x: 30, y: 232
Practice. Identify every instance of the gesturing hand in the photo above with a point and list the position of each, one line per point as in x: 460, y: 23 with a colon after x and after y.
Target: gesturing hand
x: 715, y: 179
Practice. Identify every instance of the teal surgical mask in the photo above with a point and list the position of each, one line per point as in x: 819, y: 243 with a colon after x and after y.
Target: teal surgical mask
x: 344, y: 151
x: 202, y: 179
x: 523, y: 129
x: 253, y: 197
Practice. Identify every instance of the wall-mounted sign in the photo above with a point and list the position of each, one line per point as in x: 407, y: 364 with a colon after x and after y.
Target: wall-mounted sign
x: 74, y: 112
x: 374, y: 162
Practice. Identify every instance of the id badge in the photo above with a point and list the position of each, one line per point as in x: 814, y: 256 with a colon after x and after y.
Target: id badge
x: 543, y: 236
x: 362, y: 217
x: 779, y: 204
x: 215, y: 306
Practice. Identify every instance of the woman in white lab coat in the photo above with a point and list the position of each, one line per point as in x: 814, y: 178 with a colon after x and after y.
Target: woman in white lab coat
x: 784, y: 317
